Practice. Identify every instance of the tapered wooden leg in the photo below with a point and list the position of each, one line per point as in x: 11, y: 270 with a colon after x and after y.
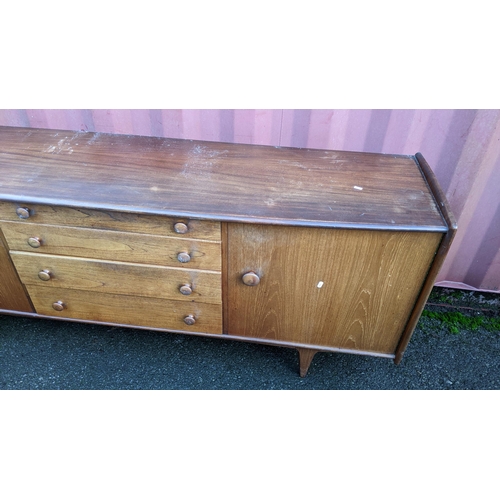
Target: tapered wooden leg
x: 305, y: 358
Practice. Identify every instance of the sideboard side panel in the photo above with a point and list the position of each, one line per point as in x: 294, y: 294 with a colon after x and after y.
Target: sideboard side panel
x: 12, y: 293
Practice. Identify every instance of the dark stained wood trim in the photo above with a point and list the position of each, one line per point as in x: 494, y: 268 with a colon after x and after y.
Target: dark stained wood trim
x: 40, y: 200
x: 437, y: 192
x: 211, y: 335
x: 438, y: 259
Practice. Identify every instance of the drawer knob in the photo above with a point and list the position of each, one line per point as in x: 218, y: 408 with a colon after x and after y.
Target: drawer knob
x: 180, y: 227
x: 183, y: 257
x: 34, y: 242
x: 59, y: 305
x: 45, y: 275
x: 190, y: 320
x: 250, y: 279
x: 23, y: 213
x: 186, y: 290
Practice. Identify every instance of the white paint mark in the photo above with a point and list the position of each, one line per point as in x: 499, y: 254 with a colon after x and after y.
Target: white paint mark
x: 201, y: 162
x: 320, y: 284
x: 357, y: 188
x: 62, y: 147
x: 94, y: 137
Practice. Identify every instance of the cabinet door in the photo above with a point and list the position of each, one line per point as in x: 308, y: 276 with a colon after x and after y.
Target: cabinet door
x: 12, y: 294
x: 350, y: 289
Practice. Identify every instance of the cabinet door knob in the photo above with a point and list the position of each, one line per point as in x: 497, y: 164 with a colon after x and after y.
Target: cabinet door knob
x: 23, y: 213
x: 45, y: 275
x: 183, y: 257
x: 186, y: 290
x: 190, y: 320
x: 181, y: 228
x: 250, y: 279
x: 59, y: 305
x: 34, y: 242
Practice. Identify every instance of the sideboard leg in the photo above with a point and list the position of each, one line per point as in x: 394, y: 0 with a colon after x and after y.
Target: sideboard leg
x: 305, y: 358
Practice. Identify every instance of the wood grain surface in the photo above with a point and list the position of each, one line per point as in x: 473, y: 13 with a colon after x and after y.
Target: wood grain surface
x: 349, y: 289
x: 113, y: 245
x: 218, y: 181
x: 118, y: 277
x: 12, y: 293
x: 108, y: 219
x: 127, y: 309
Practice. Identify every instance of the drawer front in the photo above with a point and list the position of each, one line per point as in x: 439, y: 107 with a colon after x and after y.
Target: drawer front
x: 113, y: 245
x: 127, y: 310
x: 116, y: 221
x: 52, y: 271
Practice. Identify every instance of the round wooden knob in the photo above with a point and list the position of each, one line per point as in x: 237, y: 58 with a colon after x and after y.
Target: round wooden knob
x: 250, y: 279
x: 34, y: 242
x: 45, y: 275
x: 59, y: 305
x: 186, y: 290
x: 181, y: 228
x: 183, y: 257
x: 190, y: 320
x: 23, y: 213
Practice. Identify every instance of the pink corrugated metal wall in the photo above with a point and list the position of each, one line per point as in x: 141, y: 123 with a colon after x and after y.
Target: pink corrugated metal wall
x: 462, y: 147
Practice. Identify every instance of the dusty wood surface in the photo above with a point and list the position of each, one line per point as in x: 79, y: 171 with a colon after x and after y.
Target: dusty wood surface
x: 218, y: 181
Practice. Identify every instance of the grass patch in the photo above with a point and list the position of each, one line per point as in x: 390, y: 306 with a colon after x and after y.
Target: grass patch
x: 456, y: 321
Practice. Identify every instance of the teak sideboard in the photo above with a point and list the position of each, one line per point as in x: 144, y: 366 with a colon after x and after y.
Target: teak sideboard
x: 305, y: 248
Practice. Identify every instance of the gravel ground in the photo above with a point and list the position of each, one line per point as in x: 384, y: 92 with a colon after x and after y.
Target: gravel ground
x: 45, y: 354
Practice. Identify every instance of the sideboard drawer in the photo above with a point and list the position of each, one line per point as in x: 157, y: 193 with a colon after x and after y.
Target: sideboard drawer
x: 179, y: 227
x: 52, y: 271
x: 113, y: 245
x: 173, y: 315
